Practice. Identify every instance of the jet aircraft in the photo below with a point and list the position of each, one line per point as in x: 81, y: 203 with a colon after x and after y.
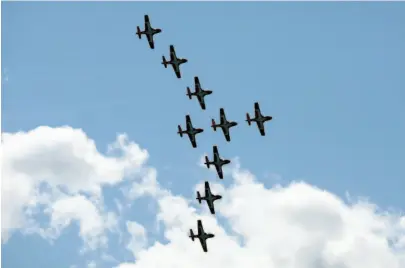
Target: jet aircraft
x: 209, y: 197
x: 149, y: 32
x: 218, y: 162
x: 259, y: 119
x: 190, y: 131
x: 199, y: 92
x: 202, y: 236
x: 174, y: 61
x: 224, y: 124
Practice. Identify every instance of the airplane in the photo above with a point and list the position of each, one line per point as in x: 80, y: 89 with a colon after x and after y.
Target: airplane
x: 259, y: 119
x: 203, y: 236
x: 209, y: 197
x: 149, y: 32
x: 199, y: 92
x: 190, y: 131
x: 224, y: 124
x: 174, y: 61
x: 218, y: 162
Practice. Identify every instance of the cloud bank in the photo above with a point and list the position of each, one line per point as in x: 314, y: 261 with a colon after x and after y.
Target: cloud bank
x: 59, y: 172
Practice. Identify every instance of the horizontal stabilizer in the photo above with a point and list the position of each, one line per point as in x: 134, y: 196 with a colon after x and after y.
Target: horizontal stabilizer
x: 164, y: 62
x: 138, y: 32
x: 248, y: 118
x: 180, y: 132
x: 198, y: 197
x: 191, y: 234
x: 213, y: 124
x: 189, y: 93
x: 207, y: 162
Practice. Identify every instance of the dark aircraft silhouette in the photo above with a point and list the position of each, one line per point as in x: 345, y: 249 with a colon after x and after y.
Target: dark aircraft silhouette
x: 202, y: 236
x: 174, y: 61
x: 224, y: 124
x: 199, y: 92
x: 190, y: 131
x: 218, y: 162
x: 149, y: 32
x: 209, y: 197
x: 259, y: 119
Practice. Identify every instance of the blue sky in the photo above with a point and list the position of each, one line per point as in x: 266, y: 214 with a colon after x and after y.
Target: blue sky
x: 330, y: 74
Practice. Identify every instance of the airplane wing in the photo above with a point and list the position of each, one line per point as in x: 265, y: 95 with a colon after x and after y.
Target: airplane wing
x: 197, y: 84
x: 257, y: 109
x: 172, y: 57
x: 260, y: 125
x: 219, y: 171
x: 216, y: 154
x: 147, y: 22
x: 189, y: 127
x: 207, y: 189
x: 211, y: 206
x: 188, y: 122
x: 172, y: 52
x: 204, y: 244
x: 192, y: 140
x: 226, y: 133
x: 201, y: 231
x: 222, y: 115
x: 201, y: 101
x: 209, y: 201
x: 200, y: 227
x: 176, y: 70
x: 150, y: 40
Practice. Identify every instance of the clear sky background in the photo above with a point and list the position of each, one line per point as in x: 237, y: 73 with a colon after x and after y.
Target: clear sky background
x: 330, y: 74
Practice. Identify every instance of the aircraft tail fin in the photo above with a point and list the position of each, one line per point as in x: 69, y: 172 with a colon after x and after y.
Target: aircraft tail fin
x: 191, y: 234
x: 189, y: 93
x: 207, y: 162
x: 248, y: 118
x: 213, y: 124
x: 164, y: 62
x: 198, y: 197
x: 138, y: 32
x: 180, y: 132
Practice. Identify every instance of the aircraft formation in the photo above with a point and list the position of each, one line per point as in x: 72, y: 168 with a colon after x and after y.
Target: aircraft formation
x: 192, y: 132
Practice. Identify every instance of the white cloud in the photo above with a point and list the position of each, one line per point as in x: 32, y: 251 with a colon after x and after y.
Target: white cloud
x: 59, y: 171
x: 138, y: 237
x: 297, y: 226
x: 92, y: 221
x: 91, y: 264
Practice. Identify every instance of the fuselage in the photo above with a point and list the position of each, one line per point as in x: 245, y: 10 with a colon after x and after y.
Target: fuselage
x: 212, y: 198
x: 220, y: 162
x: 193, y: 131
x: 261, y: 118
x: 149, y: 31
x: 227, y: 124
x: 202, y: 93
x: 175, y: 61
x: 205, y: 236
